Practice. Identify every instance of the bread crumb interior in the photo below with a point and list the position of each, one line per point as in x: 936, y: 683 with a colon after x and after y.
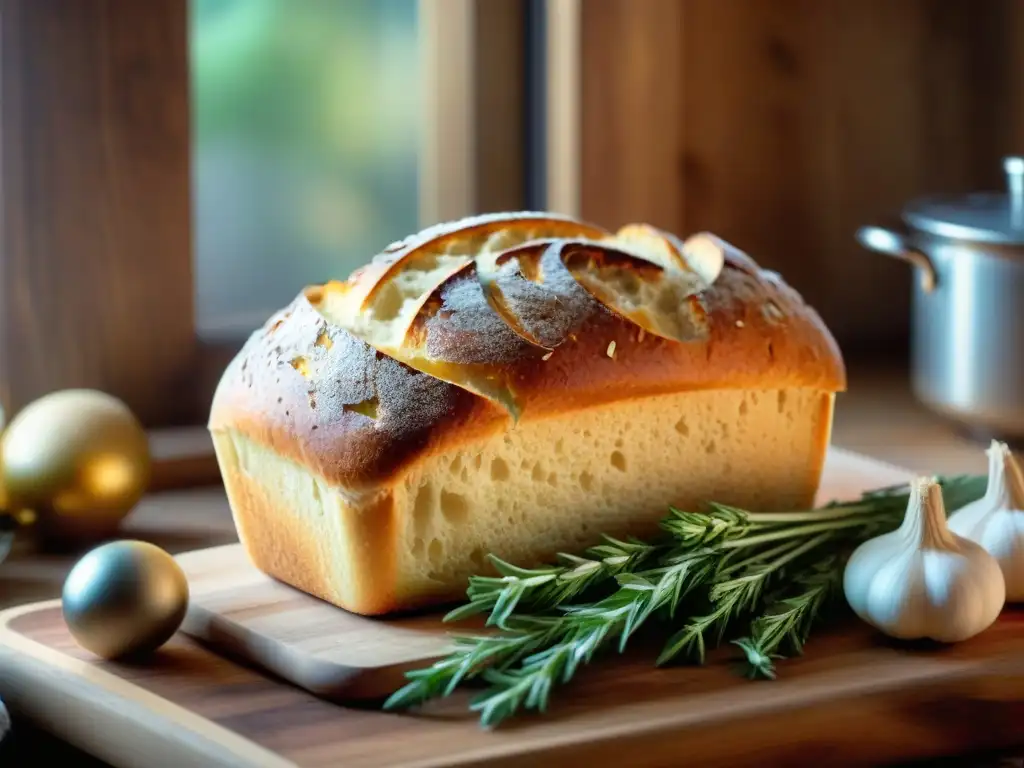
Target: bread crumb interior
x: 557, y: 484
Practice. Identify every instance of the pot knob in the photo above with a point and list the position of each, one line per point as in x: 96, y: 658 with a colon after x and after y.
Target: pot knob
x: 1014, y: 169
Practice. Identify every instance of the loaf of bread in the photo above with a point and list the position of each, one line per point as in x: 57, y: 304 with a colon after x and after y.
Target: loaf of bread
x: 515, y: 384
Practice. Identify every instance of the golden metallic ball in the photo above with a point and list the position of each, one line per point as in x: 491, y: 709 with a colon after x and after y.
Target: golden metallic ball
x: 79, y: 459
x: 125, y: 598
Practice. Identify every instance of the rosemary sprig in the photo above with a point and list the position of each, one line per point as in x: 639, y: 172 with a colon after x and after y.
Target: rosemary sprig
x: 789, y: 617
x: 775, y: 572
x: 543, y: 588
x: 582, y: 631
x: 546, y: 643
x: 734, y: 596
x: 474, y: 655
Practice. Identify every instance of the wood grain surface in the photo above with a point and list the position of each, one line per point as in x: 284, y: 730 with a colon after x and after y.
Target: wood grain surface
x: 242, y: 613
x: 95, y: 267
x: 783, y: 126
x: 853, y: 699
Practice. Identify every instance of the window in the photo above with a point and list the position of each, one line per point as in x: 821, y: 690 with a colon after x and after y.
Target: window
x: 306, y: 139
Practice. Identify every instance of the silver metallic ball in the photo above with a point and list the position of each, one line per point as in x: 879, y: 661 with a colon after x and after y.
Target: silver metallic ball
x: 125, y: 598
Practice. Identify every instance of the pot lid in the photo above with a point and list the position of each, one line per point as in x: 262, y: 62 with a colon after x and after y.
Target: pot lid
x: 989, y: 217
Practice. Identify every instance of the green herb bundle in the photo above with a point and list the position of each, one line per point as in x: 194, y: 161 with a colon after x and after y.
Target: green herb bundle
x: 761, y: 579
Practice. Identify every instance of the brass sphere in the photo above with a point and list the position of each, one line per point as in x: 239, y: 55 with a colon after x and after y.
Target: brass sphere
x: 79, y: 459
x: 125, y: 598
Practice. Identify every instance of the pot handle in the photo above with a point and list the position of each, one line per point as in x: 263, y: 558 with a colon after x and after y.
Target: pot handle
x: 882, y: 240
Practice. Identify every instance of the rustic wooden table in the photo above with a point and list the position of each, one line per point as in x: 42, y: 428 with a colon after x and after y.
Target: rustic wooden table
x: 878, y: 417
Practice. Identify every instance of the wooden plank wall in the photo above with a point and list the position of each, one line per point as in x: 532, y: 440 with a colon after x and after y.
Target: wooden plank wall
x: 782, y: 125
x: 95, y: 249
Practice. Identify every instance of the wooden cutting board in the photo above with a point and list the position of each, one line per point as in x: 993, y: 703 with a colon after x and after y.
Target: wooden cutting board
x: 853, y: 699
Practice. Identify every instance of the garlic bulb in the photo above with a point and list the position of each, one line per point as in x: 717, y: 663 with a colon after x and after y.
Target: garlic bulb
x: 922, y: 580
x: 996, y: 521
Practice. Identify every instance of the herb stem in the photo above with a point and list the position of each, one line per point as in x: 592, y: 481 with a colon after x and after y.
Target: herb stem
x: 788, y: 533
x: 803, y: 549
x: 760, y: 557
x: 831, y: 513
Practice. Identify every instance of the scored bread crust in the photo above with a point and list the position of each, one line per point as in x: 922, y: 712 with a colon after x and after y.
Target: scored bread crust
x: 316, y: 393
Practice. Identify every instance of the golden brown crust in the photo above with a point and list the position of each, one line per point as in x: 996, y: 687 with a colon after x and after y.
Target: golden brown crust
x: 316, y: 415
x: 299, y: 551
x: 313, y: 392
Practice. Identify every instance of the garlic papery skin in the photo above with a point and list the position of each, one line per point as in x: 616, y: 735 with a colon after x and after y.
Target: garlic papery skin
x: 996, y: 520
x: 922, y: 580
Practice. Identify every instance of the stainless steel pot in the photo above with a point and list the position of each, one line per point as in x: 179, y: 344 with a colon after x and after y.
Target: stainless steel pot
x: 967, y: 330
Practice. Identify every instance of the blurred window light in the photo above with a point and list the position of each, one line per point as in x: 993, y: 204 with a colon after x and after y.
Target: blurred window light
x: 306, y: 142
